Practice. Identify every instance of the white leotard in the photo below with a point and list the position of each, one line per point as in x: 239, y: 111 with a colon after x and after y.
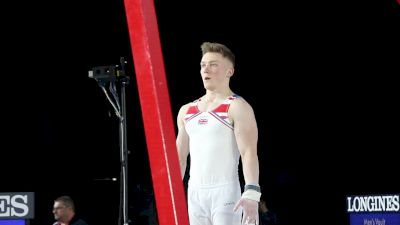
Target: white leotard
x: 214, y: 155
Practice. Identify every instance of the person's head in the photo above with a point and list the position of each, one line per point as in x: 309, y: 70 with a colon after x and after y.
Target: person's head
x: 216, y: 66
x: 63, y: 209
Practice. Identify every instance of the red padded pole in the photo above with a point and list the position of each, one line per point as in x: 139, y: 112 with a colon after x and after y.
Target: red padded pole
x: 156, y: 110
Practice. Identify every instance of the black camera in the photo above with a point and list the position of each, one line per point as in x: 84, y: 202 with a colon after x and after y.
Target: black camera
x: 104, y: 73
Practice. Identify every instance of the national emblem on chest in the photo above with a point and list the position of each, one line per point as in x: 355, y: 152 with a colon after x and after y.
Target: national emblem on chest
x: 203, y: 120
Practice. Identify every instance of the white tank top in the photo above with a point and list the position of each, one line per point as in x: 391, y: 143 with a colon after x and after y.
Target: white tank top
x: 214, y: 155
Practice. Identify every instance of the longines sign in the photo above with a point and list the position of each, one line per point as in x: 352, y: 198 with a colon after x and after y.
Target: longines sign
x: 17, y: 205
x: 374, y: 209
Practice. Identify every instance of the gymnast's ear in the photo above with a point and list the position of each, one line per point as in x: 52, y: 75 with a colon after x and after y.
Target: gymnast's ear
x: 230, y: 72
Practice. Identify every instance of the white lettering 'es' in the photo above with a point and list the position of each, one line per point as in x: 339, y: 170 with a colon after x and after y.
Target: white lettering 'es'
x: 15, y: 205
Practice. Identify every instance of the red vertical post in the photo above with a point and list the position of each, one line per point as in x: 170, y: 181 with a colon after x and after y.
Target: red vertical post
x: 156, y: 110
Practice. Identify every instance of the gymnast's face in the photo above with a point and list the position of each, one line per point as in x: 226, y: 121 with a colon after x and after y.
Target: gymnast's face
x: 215, y: 71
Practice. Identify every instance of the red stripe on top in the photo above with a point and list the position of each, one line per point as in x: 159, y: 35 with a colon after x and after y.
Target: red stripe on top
x: 192, y: 110
x: 222, y: 108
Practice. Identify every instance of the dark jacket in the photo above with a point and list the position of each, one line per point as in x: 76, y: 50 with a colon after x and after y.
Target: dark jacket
x: 75, y: 221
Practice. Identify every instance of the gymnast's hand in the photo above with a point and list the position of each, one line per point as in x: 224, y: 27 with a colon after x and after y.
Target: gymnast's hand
x: 250, y: 211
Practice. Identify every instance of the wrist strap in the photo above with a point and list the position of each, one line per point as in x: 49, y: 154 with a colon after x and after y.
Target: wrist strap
x: 252, y: 195
x: 252, y: 187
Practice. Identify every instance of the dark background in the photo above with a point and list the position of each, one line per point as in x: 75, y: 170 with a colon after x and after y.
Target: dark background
x: 319, y: 75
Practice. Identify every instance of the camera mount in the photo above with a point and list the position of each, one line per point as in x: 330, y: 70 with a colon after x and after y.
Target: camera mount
x: 109, y: 76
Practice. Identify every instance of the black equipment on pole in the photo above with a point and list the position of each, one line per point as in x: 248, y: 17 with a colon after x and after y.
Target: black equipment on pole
x: 109, y: 76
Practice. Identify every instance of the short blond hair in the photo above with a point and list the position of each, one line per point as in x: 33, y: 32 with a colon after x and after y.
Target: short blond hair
x: 218, y: 48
